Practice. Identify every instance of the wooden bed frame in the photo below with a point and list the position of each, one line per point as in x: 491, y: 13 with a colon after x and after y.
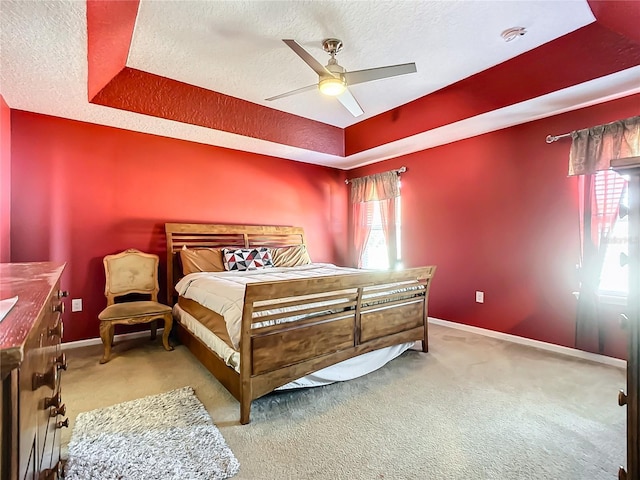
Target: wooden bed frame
x: 275, y: 355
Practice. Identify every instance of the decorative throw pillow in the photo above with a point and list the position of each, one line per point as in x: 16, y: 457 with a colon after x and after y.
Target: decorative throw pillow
x: 290, y: 256
x: 247, y: 258
x: 201, y: 260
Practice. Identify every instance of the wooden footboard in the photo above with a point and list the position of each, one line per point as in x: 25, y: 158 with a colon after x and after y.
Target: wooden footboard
x: 292, y: 328
x: 368, y: 311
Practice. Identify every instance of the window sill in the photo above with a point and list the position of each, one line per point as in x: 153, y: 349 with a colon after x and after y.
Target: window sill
x: 612, y: 299
x: 609, y: 298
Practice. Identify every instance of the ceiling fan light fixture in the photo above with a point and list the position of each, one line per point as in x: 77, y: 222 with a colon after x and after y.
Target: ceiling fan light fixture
x: 332, y: 86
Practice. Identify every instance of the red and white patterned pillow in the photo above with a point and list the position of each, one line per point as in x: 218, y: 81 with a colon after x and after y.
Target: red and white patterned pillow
x: 247, y: 258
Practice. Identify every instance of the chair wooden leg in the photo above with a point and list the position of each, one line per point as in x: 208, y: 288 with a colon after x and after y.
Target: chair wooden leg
x: 168, y: 323
x: 106, y: 334
x: 154, y: 329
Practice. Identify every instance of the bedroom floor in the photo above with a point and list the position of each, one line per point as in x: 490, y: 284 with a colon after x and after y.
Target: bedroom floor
x: 472, y: 408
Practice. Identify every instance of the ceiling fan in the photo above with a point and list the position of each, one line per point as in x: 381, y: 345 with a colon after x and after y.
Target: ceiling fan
x: 334, y: 80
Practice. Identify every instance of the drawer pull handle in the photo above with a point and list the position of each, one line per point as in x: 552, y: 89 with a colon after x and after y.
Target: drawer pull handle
x: 622, y: 398
x: 57, y: 330
x: 61, y: 361
x: 61, y: 410
x: 54, y: 401
x: 62, y: 293
x: 58, y: 307
x: 54, y: 473
x: 49, y: 379
x: 63, y: 424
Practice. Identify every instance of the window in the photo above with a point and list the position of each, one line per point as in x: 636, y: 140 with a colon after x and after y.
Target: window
x: 375, y: 254
x: 614, y: 278
x: 374, y: 204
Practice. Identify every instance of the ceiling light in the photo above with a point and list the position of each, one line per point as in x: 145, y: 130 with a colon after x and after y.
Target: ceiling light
x: 512, y: 33
x: 332, y: 86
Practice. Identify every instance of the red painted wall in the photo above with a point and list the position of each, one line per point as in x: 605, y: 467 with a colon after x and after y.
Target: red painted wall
x: 497, y: 213
x: 81, y: 191
x: 5, y: 181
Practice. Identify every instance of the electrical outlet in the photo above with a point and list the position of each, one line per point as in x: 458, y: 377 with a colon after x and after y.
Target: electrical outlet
x: 480, y: 297
x: 76, y: 305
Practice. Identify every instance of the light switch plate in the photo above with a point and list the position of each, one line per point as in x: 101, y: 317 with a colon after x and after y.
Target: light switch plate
x: 480, y: 297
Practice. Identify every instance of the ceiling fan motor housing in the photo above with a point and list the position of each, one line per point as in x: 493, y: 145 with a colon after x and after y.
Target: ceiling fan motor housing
x: 334, y: 68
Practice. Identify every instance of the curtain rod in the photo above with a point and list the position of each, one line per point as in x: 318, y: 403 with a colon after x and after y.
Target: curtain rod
x: 555, y: 138
x: 398, y: 171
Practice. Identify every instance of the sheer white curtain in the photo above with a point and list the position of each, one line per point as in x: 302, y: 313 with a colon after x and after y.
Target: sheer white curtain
x: 601, y: 191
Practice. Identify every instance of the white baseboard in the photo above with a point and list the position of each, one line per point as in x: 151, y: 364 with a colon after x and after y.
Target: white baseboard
x: 97, y: 341
x: 550, y: 347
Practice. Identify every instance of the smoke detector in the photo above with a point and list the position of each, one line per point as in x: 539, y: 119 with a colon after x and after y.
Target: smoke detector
x: 512, y: 33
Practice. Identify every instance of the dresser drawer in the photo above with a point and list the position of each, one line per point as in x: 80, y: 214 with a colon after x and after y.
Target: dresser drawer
x: 30, y: 471
x: 31, y: 416
x: 51, y: 407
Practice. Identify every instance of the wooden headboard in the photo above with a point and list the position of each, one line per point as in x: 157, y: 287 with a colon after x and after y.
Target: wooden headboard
x: 206, y: 235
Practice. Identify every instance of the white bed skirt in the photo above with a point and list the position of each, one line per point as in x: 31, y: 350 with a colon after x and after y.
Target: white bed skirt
x: 347, y: 370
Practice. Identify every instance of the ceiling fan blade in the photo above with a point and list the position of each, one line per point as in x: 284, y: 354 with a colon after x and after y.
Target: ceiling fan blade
x: 350, y: 103
x: 308, y: 59
x: 293, y: 92
x: 360, y: 76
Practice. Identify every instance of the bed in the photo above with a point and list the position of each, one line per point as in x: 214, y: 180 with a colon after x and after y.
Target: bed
x: 290, y: 328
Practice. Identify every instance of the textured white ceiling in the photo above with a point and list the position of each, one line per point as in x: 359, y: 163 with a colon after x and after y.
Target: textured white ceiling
x: 234, y: 47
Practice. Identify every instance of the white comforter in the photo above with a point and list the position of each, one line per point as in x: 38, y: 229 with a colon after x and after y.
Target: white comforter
x: 223, y: 292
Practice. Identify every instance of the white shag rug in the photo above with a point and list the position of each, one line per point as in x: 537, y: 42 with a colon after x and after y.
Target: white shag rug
x: 167, y: 436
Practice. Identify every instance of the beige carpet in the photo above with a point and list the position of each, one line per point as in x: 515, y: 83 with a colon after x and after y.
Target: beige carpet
x: 472, y: 408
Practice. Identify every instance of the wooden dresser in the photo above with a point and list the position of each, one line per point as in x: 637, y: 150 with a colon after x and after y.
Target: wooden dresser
x: 631, y: 398
x: 30, y: 367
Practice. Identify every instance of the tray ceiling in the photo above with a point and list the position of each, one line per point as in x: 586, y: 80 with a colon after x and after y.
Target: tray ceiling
x: 235, y: 49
